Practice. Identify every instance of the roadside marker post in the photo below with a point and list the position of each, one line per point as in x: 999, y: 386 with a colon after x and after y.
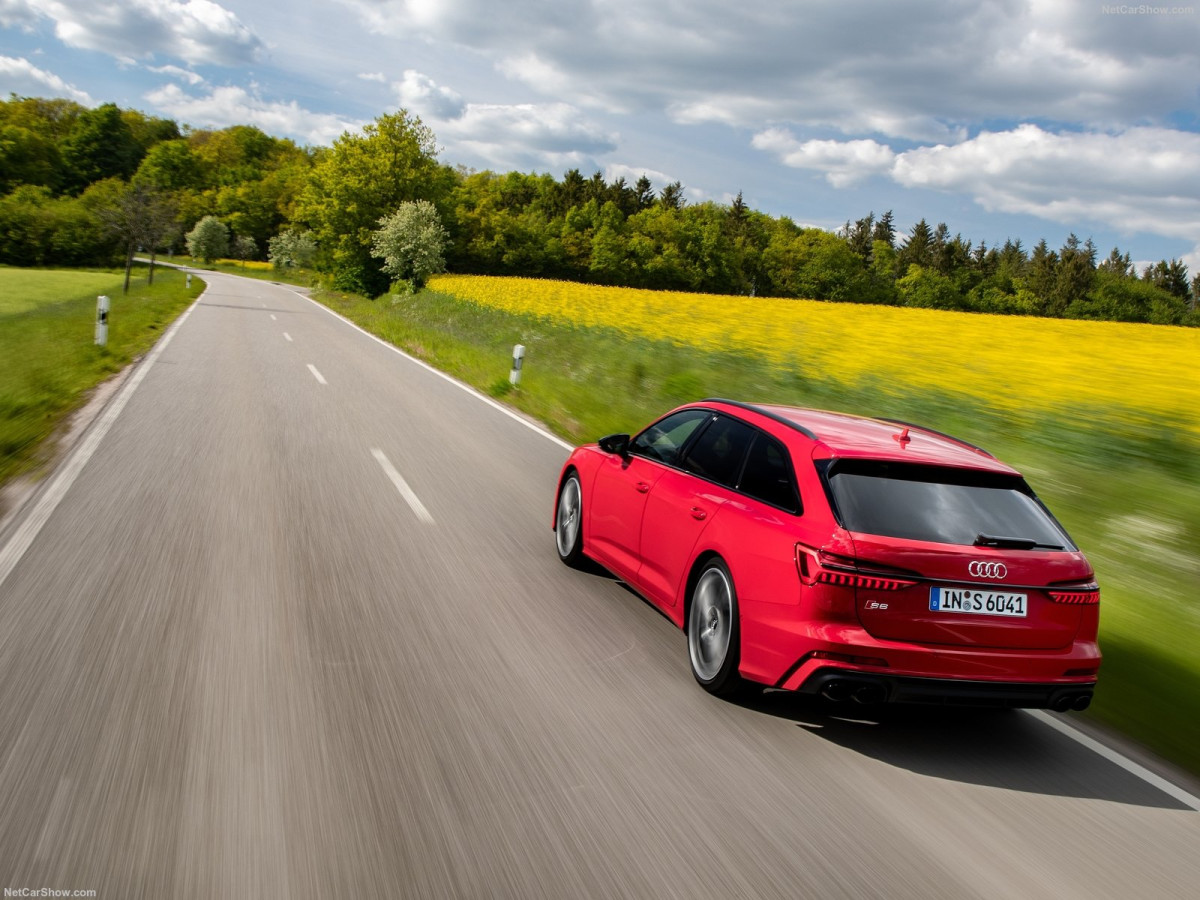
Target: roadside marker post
x: 101, y: 320
x: 514, y: 377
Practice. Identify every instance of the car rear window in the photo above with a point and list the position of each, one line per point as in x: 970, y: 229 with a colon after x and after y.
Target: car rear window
x: 946, y: 506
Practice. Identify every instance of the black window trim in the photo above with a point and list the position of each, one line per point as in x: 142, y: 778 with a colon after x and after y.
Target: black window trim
x: 713, y: 414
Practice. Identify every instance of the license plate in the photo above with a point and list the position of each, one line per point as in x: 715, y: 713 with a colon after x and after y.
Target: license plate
x: 977, y: 603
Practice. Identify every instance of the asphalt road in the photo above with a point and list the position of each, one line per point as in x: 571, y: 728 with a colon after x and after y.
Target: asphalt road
x: 297, y: 629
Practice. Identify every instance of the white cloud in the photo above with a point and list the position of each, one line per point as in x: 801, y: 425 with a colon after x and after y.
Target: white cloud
x: 843, y: 162
x: 1141, y: 179
x: 373, y: 76
x: 422, y: 95
x: 870, y: 68
x: 18, y: 14
x: 528, y: 136
x: 225, y: 106
x: 506, y: 136
x: 20, y: 76
x: 197, y: 31
x: 631, y: 174
x: 175, y: 72
x: 1138, y: 180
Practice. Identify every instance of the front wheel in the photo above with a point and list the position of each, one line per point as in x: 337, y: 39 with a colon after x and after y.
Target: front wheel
x: 568, y: 523
x: 713, y: 632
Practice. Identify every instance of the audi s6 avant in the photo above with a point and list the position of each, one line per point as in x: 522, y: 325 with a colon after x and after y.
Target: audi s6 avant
x: 856, y: 559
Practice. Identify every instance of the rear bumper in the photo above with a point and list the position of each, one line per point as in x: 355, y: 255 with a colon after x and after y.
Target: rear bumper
x: 849, y: 685
x: 783, y: 649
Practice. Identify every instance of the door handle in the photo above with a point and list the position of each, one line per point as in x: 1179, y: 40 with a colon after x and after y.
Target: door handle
x: 699, y: 514
x: 642, y: 487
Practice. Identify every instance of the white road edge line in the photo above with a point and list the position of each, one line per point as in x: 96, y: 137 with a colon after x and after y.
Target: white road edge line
x: 1117, y: 759
x: 461, y: 385
x: 61, y: 482
x: 317, y: 375
x: 288, y: 336
x: 1069, y: 731
x: 402, y: 486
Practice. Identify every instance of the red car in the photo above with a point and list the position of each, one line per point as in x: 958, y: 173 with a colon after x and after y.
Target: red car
x: 856, y: 559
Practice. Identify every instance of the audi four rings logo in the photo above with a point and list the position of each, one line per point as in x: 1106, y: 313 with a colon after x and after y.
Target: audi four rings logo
x: 981, y: 569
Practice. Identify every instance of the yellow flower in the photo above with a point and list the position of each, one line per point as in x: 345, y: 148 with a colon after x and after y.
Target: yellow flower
x: 1132, y: 372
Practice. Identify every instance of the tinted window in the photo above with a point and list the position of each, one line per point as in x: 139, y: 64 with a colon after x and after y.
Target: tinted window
x: 665, y: 438
x: 768, y: 475
x: 948, y: 506
x: 718, y: 451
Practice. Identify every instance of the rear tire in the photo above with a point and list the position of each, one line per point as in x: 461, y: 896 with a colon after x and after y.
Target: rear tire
x: 714, y: 632
x: 568, y: 523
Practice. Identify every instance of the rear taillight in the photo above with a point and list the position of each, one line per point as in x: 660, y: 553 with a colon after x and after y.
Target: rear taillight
x: 822, y: 567
x: 1077, y: 595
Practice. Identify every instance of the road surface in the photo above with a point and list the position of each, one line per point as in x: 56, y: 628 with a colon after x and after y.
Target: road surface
x: 297, y: 629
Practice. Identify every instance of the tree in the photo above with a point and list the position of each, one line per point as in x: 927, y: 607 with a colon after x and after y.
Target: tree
x: 101, y: 145
x: 139, y: 215
x: 244, y: 248
x: 411, y: 242
x: 1076, y: 271
x: 361, y: 179
x: 1169, y: 276
x: 885, y: 229
x: 209, y: 240
x: 928, y: 288
x: 671, y: 197
x: 290, y: 249
x: 917, y: 248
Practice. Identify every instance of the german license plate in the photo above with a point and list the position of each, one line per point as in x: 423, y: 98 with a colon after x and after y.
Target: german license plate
x: 977, y: 603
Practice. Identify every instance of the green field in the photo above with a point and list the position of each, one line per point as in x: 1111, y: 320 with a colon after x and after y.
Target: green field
x: 48, y: 361
x: 1130, y: 496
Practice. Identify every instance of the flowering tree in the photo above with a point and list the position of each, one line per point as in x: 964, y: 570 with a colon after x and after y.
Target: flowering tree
x: 411, y: 242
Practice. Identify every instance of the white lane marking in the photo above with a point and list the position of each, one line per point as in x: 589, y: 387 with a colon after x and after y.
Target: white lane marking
x: 1116, y: 758
x: 273, y: 319
x: 288, y: 336
x: 24, y: 536
x: 402, y: 486
x: 317, y: 375
x: 1109, y: 754
x: 450, y: 378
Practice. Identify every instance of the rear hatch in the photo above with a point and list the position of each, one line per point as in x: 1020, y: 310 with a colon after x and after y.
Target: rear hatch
x: 966, y: 558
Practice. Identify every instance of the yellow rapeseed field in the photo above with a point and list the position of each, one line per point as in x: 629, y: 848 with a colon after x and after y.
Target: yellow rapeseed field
x: 1136, y: 373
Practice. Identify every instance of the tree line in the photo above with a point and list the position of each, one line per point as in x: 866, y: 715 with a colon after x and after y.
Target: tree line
x: 83, y: 186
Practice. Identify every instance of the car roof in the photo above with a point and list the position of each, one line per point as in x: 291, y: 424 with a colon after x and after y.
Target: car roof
x: 859, y: 437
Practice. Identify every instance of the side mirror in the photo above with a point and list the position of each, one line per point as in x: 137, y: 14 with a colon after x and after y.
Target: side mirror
x: 615, y: 443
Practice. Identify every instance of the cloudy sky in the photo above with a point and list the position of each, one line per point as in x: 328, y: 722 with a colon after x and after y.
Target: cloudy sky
x: 1008, y: 118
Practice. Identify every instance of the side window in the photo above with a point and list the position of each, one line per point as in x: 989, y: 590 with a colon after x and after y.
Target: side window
x: 717, y: 454
x: 664, y: 439
x: 768, y: 475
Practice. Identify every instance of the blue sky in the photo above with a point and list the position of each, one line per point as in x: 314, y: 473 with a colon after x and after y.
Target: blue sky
x: 1010, y: 118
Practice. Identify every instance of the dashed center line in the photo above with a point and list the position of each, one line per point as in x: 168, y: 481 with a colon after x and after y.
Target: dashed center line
x: 273, y: 319
x: 317, y: 375
x: 402, y: 486
x: 286, y: 335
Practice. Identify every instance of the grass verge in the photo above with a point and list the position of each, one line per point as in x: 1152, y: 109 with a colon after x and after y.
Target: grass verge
x: 1129, y: 495
x: 48, y: 360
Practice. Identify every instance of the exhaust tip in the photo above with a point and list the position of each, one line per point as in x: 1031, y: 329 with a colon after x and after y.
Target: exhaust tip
x: 1082, y: 702
x: 869, y: 695
x: 835, y: 691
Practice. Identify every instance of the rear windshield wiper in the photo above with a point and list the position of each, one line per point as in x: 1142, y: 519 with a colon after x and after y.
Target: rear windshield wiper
x: 1013, y: 543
